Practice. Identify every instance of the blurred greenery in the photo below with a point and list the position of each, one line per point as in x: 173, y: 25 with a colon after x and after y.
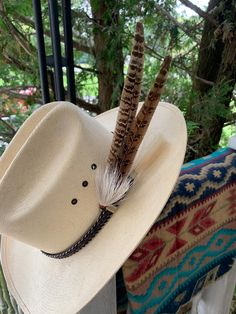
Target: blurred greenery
x: 167, y: 31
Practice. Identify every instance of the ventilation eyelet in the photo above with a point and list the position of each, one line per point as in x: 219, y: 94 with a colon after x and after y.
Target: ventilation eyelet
x: 74, y: 201
x: 85, y: 183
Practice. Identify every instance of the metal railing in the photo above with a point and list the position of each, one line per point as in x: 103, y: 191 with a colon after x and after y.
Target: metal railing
x: 56, y: 61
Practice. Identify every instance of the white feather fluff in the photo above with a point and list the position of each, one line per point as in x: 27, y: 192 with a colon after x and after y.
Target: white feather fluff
x: 111, y: 188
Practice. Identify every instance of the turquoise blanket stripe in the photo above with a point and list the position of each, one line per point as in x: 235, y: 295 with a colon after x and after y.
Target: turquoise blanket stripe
x: 170, y: 297
x: 200, y: 161
x: 178, y: 270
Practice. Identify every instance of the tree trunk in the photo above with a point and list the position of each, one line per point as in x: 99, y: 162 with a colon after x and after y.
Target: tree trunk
x: 108, y: 52
x: 217, y: 64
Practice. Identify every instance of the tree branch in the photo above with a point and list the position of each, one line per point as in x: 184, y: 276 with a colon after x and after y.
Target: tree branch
x: 13, y: 88
x: 79, y: 102
x: 153, y: 53
x: 24, y: 19
x: 200, y: 12
x: 88, y: 106
x: 174, y: 21
x: 204, y: 80
x: 182, y: 55
x: 19, y: 37
x: 81, y: 47
x: 6, y: 137
x: 77, y: 45
x: 86, y: 69
x: 233, y: 121
x: 12, y: 60
x: 179, y: 66
x: 9, y: 126
x: 229, y: 123
x: 21, y: 96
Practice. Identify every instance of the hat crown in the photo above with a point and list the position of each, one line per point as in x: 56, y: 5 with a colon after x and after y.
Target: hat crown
x: 77, y: 277
x: 53, y: 175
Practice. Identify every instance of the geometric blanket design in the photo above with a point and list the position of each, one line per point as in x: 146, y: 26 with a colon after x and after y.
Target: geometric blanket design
x: 192, y: 243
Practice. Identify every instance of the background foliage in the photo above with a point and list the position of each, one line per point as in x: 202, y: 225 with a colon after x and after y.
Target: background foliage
x: 201, y: 82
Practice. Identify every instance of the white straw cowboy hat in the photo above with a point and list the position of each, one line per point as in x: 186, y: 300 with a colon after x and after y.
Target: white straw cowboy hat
x: 61, y: 238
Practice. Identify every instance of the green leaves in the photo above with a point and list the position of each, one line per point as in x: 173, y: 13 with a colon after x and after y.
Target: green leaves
x: 102, y: 33
x: 23, y: 7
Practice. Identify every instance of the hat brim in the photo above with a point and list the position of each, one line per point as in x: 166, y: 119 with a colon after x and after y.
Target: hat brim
x: 44, y: 285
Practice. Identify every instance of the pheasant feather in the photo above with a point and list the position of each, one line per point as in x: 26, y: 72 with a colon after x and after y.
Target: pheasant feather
x: 129, y: 97
x: 114, y: 180
x: 143, y: 119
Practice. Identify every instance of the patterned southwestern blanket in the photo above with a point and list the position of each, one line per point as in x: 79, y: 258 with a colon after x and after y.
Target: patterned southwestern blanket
x: 191, y: 244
